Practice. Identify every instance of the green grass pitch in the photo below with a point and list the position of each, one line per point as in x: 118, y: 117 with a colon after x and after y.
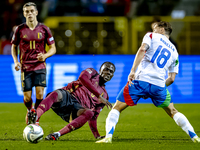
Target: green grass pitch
x: 142, y: 127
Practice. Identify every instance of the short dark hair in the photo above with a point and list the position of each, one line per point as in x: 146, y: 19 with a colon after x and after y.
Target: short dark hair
x: 107, y: 62
x: 30, y: 4
x: 166, y: 25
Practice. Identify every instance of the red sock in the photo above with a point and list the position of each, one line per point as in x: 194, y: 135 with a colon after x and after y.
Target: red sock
x: 39, y: 112
x: 37, y: 103
x: 77, y: 123
x: 28, y: 104
x: 47, y: 103
x: 93, y: 123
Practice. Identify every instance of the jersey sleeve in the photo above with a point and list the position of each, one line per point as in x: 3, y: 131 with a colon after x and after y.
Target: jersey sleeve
x: 50, y: 39
x: 175, y: 65
x: 16, y: 37
x: 85, y: 78
x: 147, y: 38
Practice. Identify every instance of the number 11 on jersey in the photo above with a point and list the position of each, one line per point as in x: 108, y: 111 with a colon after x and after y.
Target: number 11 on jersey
x: 32, y: 44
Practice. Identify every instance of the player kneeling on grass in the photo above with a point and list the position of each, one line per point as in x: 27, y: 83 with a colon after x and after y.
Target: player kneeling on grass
x: 83, y: 99
x: 155, y: 56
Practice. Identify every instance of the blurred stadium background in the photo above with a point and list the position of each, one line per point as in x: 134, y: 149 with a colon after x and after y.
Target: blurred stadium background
x: 110, y: 30
x: 106, y: 26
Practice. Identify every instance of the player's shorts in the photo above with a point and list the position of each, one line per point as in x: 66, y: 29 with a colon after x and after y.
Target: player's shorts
x: 160, y: 96
x: 33, y: 78
x: 69, y: 105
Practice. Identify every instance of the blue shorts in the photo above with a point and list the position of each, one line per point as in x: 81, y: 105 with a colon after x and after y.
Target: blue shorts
x: 160, y: 96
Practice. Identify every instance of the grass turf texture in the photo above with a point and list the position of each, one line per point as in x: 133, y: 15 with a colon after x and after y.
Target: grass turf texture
x: 142, y: 127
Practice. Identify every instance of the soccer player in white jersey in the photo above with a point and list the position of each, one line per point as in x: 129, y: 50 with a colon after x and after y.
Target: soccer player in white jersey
x: 155, y: 56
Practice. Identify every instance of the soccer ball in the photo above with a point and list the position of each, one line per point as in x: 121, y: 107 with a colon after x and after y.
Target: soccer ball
x: 33, y: 133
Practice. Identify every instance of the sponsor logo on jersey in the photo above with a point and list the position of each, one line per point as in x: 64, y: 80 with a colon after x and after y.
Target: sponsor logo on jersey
x: 39, y: 35
x: 25, y: 36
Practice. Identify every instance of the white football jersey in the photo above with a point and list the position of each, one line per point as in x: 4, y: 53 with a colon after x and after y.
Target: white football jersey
x: 161, y: 57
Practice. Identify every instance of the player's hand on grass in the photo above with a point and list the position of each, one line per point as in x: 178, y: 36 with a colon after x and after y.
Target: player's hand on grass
x: 17, y: 66
x: 41, y: 57
x: 100, y: 137
x: 105, y: 101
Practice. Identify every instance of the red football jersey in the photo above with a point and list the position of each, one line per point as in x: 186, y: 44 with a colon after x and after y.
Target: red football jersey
x: 86, y: 89
x: 31, y: 43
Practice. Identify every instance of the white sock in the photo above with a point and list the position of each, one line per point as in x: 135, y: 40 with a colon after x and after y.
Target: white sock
x: 111, y: 122
x: 183, y: 122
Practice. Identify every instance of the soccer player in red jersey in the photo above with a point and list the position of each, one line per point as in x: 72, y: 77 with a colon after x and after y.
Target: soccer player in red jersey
x: 82, y: 99
x: 31, y: 38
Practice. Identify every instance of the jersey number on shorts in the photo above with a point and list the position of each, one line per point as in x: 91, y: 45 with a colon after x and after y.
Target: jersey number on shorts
x: 162, y: 55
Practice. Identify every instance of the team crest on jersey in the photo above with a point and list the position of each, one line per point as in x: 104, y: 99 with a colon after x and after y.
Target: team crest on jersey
x: 39, y: 35
x: 25, y: 36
